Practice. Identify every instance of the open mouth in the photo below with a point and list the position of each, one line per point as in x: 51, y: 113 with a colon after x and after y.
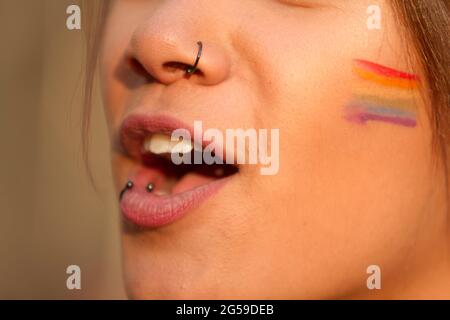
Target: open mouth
x: 160, y: 191
x: 170, y: 178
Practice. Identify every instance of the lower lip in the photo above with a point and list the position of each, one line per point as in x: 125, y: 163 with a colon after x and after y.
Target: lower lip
x: 149, y: 210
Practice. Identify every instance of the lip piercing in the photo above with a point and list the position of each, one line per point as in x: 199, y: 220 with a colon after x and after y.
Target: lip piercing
x: 128, y: 186
x: 150, y: 187
x: 191, y: 69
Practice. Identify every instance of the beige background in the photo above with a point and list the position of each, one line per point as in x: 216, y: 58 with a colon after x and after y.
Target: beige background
x: 51, y: 215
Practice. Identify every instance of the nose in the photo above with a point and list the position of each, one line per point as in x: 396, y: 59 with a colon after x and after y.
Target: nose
x: 167, y: 47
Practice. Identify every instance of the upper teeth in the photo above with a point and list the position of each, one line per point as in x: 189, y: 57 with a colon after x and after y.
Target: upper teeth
x: 160, y: 143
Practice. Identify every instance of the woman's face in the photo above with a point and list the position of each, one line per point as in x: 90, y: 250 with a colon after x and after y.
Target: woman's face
x: 353, y: 185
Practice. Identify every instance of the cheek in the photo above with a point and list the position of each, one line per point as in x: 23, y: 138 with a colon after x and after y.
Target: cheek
x: 345, y: 197
x: 350, y: 187
x: 113, y: 92
x: 116, y: 38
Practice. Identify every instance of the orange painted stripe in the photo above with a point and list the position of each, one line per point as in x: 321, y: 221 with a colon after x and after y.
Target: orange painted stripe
x: 386, y: 81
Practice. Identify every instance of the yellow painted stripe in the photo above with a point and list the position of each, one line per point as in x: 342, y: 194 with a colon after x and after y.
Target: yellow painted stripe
x: 364, y: 88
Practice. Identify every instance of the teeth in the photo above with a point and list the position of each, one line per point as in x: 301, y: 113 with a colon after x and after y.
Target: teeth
x: 160, y: 143
x: 157, y: 144
x: 181, y: 146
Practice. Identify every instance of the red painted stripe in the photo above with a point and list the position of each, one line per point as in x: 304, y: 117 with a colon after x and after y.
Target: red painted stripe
x: 385, y: 71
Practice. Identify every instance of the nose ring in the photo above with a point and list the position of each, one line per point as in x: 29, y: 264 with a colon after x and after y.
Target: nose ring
x: 191, y: 69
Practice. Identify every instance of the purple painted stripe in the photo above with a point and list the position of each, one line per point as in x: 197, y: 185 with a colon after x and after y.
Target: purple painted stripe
x: 362, y: 118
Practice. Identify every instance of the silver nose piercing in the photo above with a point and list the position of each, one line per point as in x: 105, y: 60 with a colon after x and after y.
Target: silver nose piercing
x: 191, y: 69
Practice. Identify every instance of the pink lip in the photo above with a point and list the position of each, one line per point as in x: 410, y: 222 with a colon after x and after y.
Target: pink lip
x: 151, y: 211
x: 147, y: 209
x: 137, y: 127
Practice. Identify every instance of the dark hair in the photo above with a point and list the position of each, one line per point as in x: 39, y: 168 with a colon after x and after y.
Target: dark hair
x: 426, y: 24
x: 426, y: 27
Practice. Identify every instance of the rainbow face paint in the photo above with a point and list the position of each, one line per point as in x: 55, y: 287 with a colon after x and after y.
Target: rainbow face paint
x: 384, y: 94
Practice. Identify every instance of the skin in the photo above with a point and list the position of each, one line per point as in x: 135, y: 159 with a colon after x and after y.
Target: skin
x: 346, y: 196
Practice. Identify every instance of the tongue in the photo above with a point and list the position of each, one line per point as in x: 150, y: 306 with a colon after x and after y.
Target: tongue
x: 190, y: 181
x: 145, y: 175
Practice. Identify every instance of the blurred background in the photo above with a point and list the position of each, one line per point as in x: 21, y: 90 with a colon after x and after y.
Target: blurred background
x: 52, y: 217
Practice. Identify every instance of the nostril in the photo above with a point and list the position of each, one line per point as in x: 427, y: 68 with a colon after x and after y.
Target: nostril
x: 136, y: 66
x: 140, y: 70
x: 174, y: 66
x: 131, y: 73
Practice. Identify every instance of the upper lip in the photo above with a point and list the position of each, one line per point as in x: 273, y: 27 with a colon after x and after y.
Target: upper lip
x: 136, y: 127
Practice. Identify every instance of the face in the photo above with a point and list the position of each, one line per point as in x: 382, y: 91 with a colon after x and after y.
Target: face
x: 355, y: 164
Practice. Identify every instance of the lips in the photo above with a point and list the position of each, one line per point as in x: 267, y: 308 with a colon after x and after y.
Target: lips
x: 176, y: 189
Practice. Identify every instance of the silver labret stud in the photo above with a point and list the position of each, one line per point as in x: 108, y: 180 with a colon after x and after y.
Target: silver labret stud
x: 128, y: 186
x: 150, y: 187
